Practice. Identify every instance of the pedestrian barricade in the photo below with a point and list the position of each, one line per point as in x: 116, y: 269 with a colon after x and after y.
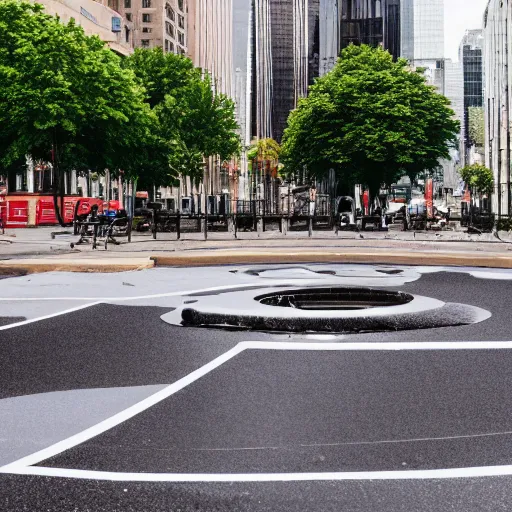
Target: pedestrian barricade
x: 101, y: 226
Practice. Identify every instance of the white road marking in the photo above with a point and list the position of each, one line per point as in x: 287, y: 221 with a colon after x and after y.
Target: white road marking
x: 122, y: 416
x: 431, y: 474
x: 378, y: 346
x: 143, y: 297
x: 25, y: 466
x: 46, y: 317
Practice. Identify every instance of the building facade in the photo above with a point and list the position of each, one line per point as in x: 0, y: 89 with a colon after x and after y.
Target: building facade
x: 372, y: 22
x: 422, y: 30
x: 497, y: 100
x: 285, y: 60
x: 96, y: 18
x: 471, y: 57
x: 157, y: 23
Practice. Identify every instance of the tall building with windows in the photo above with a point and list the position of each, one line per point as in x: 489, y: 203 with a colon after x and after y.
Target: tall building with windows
x: 98, y: 18
x: 285, y: 60
x: 422, y: 37
x: 471, y: 57
x: 157, y: 23
x: 211, y: 40
x: 497, y: 100
x: 422, y: 30
x: 372, y: 22
x: 342, y: 22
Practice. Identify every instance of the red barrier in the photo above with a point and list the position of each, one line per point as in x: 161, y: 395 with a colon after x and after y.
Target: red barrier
x: 45, y: 213
x: 17, y: 214
x: 3, y: 212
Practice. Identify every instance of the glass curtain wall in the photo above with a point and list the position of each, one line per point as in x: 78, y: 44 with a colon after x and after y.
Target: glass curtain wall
x: 372, y: 22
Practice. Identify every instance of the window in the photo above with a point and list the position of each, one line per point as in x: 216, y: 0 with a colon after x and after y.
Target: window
x: 181, y: 21
x: 181, y: 50
x: 147, y: 30
x: 144, y: 43
x: 146, y: 18
x: 128, y: 16
x: 181, y: 38
x: 169, y: 29
x: 127, y: 4
x: 180, y: 5
x: 166, y: 45
x: 127, y: 34
x: 171, y: 47
x: 146, y: 4
x: 169, y: 11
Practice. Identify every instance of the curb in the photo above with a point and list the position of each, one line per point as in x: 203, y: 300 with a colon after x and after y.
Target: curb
x: 453, y: 259
x: 219, y: 257
x: 32, y: 266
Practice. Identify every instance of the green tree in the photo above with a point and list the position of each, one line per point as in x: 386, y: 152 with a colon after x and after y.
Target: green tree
x: 370, y: 119
x: 65, y: 98
x: 478, y: 178
x: 195, y: 122
x: 476, y: 126
x: 265, y: 149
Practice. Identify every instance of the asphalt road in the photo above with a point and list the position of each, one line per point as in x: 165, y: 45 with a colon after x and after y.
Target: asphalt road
x: 106, y: 407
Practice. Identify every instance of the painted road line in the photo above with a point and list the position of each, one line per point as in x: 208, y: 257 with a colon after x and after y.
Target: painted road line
x: 122, y: 416
x: 233, y: 287
x: 46, y: 317
x: 430, y: 474
x: 377, y: 346
x: 77, y: 439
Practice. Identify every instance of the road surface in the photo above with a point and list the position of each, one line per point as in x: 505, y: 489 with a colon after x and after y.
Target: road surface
x: 104, y: 406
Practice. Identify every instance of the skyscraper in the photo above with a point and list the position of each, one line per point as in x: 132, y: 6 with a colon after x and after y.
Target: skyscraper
x: 422, y: 30
x: 372, y: 22
x: 157, y: 23
x: 471, y: 57
x: 497, y: 101
x: 286, y: 60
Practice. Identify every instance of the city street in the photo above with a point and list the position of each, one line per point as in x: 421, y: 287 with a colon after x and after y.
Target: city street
x: 109, y: 403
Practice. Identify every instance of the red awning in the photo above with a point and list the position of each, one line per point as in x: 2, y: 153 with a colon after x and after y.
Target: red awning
x: 141, y: 195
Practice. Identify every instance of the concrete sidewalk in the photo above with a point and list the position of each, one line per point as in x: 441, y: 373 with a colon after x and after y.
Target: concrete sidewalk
x: 34, y: 250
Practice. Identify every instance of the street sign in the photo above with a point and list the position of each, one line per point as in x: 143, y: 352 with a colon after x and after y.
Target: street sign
x: 116, y: 24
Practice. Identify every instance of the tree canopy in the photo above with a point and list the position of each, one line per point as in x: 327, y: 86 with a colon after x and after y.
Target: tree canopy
x: 265, y: 149
x: 371, y: 120
x: 194, y: 120
x: 64, y: 92
x: 67, y: 99
x: 478, y: 178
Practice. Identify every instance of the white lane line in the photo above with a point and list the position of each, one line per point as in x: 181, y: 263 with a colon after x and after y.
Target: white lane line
x: 377, y: 346
x: 122, y: 416
x: 142, y: 297
x: 51, y: 315
x: 23, y: 466
x: 431, y: 474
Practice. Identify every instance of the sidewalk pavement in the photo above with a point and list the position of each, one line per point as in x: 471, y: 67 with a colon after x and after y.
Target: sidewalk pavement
x: 34, y: 250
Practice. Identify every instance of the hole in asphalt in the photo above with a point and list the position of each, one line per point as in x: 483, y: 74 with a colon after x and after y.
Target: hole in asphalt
x: 329, y: 299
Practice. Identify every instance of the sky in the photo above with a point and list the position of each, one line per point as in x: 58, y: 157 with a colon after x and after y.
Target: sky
x: 459, y: 16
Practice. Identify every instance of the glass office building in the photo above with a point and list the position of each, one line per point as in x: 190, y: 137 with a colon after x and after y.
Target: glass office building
x: 285, y: 60
x: 422, y: 29
x: 471, y: 57
x: 372, y: 22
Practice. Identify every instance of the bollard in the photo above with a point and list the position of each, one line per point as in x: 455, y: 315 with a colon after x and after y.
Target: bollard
x: 284, y: 225
x: 310, y: 233
x: 260, y: 225
x: 178, y: 226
